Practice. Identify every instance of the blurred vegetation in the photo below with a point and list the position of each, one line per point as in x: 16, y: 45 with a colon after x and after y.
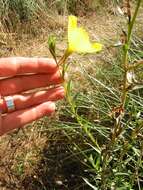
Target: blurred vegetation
x: 13, y: 12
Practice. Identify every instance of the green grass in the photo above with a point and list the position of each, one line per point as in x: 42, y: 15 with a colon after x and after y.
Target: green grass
x: 112, y: 156
x: 124, y: 163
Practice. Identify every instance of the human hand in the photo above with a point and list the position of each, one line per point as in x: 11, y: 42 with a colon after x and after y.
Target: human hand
x: 20, y: 75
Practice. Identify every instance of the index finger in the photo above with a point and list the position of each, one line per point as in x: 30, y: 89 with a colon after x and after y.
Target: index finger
x: 12, y: 66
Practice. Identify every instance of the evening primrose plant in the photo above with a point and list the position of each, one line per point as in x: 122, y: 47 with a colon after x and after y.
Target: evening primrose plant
x: 78, y: 42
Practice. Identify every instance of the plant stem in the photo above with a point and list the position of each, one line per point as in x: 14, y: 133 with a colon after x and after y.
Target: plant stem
x: 126, y: 49
x: 62, y: 62
x: 79, y: 118
x: 118, y: 125
x: 64, y: 58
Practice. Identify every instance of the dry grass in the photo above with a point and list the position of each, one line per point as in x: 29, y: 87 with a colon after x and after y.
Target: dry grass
x: 25, y: 154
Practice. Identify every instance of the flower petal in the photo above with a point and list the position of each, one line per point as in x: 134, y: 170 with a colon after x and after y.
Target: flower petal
x: 72, y: 23
x: 78, y: 39
x: 97, y: 46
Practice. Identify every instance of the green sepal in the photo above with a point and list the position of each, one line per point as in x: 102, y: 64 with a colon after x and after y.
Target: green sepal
x: 52, y: 46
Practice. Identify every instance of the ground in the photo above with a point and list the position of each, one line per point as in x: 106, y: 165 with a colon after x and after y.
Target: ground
x: 39, y: 157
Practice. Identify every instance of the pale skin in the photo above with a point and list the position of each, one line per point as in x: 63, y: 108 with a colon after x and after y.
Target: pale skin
x: 19, y: 75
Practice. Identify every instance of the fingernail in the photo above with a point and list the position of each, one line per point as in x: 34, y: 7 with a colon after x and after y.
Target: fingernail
x: 52, y: 106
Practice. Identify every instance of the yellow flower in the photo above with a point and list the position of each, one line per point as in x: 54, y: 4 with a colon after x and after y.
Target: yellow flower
x: 78, y: 39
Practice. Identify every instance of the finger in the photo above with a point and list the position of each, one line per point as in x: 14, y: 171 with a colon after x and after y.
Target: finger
x: 0, y: 116
x: 31, y: 99
x: 20, y: 118
x: 23, y: 83
x: 12, y: 66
